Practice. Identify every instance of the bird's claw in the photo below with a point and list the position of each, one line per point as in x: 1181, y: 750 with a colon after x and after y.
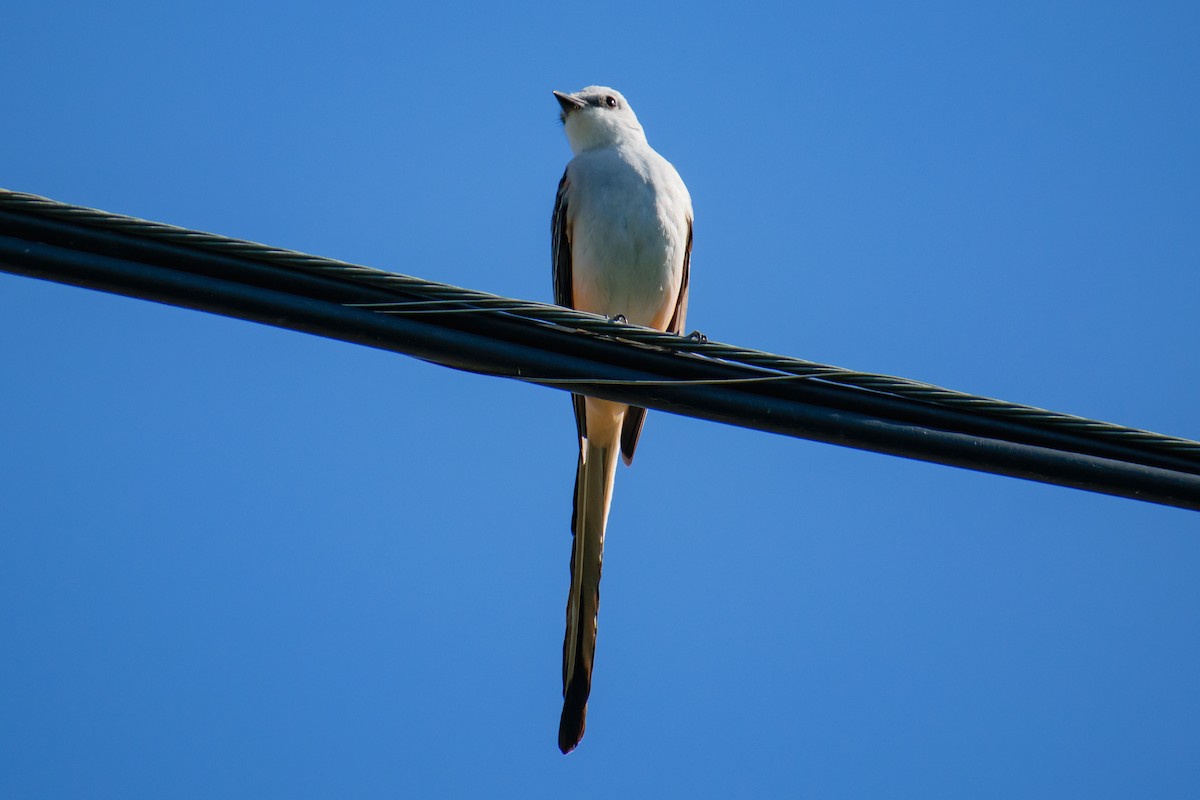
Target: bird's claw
x: 697, y: 336
x: 619, y: 319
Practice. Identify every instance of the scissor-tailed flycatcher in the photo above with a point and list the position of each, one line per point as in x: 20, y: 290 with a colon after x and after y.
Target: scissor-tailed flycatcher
x: 621, y: 243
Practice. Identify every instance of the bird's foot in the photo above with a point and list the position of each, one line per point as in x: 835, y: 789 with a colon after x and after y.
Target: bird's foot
x: 619, y: 319
x: 697, y: 336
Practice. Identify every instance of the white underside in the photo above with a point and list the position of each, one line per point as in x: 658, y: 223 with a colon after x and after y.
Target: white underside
x: 627, y: 237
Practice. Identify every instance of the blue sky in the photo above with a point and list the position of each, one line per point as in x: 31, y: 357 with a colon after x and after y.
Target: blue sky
x: 237, y: 561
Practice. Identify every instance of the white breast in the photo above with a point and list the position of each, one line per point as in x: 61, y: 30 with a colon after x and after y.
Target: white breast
x: 629, y: 213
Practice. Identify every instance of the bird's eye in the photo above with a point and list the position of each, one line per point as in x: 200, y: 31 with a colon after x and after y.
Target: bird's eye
x: 610, y: 101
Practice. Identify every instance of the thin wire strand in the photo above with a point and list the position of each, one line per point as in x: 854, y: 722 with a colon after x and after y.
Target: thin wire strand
x: 584, y: 382
x: 440, y: 298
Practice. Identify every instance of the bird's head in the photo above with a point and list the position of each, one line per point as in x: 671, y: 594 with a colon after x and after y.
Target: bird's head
x: 597, y: 116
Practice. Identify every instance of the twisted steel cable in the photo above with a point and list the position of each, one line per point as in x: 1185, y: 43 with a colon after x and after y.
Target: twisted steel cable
x: 556, y: 347
x: 431, y: 297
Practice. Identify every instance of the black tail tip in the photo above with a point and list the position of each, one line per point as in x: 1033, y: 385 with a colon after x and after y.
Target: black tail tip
x: 570, y: 727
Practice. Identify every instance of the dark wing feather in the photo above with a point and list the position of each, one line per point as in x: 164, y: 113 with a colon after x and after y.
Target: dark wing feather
x: 560, y: 247
x: 635, y: 417
x: 681, y: 304
x: 560, y: 255
x: 631, y: 431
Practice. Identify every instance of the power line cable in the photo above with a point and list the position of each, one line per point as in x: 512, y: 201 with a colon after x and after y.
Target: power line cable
x: 565, y: 349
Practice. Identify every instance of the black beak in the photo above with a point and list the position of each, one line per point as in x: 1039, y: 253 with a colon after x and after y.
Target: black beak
x: 568, y: 102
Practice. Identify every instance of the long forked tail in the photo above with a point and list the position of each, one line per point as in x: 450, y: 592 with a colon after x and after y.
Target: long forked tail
x: 593, y: 493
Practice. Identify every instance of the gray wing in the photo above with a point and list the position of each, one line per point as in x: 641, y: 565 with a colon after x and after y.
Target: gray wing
x: 560, y: 256
x: 560, y: 247
x: 681, y: 303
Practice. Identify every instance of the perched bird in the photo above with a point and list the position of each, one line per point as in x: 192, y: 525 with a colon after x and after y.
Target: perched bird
x: 621, y: 245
